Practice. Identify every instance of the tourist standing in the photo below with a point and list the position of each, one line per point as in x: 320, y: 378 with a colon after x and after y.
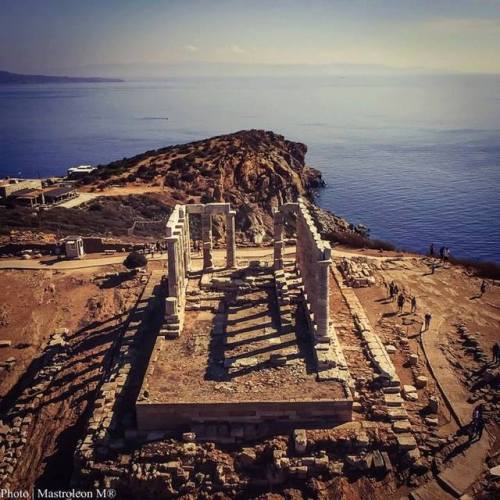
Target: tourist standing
x: 496, y: 353
x: 441, y: 253
x: 413, y: 304
x: 483, y: 288
x: 427, y: 321
x: 431, y: 250
x: 477, y: 423
x: 396, y: 290
x: 401, y: 303
x: 446, y: 254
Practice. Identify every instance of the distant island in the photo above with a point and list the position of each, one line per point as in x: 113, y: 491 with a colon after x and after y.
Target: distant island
x: 6, y: 77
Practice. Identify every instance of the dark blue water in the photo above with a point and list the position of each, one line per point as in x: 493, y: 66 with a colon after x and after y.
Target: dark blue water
x: 417, y: 159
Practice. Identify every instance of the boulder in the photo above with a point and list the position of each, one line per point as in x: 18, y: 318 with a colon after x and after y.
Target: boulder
x: 247, y: 457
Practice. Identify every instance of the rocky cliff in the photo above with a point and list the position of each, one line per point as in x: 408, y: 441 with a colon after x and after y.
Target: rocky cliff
x: 254, y: 170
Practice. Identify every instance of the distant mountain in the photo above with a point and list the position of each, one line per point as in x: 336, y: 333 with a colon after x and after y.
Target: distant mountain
x: 6, y: 77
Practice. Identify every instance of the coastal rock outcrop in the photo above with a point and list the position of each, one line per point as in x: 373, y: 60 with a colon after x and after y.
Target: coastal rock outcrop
x: 254, y: 170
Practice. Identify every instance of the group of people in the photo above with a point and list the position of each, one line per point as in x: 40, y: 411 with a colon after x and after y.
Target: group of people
x: 444, y: 252
x: 401, y: 298
x: 152, y: 248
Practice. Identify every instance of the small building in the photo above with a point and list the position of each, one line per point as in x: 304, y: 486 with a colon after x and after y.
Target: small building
x: 10, y: 186
x: 59, y: 194
x: 74, y: 247
x: 80, y: 171
x: 27, y: 198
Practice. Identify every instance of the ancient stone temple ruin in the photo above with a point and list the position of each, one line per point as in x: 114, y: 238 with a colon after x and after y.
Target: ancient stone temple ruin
x: 250, y: 347
x: 179, y: 255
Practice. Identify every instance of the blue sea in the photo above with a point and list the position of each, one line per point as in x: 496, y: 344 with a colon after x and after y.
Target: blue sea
x: 415, y: 158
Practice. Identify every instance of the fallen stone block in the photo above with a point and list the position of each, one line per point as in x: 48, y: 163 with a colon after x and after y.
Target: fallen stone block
x: 393, y: 400
x: 406, y: 441
x: 421, y: 382
x: 401, y: 426
x: 413, y: 360
x: 300, y: 441
x: 410, y: 393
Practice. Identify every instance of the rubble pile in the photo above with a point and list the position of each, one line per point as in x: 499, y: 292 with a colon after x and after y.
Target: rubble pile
x: 356, y: 271
x: 16, y: 424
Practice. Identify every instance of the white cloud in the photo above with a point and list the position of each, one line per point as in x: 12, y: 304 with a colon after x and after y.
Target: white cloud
x: 191, y: 48
x: 236, y: 49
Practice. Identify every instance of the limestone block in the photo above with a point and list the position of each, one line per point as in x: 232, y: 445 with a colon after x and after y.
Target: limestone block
x: 421, y: 382
x: 410, y: 393
x: 393, y: 400
x: 217, y: 208
x: 401, y: 426
x: 406, y: 441
x: 413, y: 360
x: 170, y: 305
x: 300, y: 441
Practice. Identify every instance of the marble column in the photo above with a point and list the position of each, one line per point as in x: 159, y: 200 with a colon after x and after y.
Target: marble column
x: 322, y: 313
x: 230, y: 239
x: 278, y: 240
x: 173, y: 266
x: 206, y: 235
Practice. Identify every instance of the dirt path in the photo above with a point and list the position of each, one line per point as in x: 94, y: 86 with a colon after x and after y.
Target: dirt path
x: 452, y: 298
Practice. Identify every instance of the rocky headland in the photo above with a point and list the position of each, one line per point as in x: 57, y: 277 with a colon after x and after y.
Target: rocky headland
x: 254, y: 170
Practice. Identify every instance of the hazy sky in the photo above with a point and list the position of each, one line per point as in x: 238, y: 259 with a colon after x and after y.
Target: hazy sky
x: 435, y: 35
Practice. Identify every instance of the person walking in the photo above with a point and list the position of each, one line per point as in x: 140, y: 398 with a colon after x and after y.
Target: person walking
x: 427, y: 321
x: 401, y: 303
x: 413, y: 305
x: 431, y: 250
x: 496, y: 353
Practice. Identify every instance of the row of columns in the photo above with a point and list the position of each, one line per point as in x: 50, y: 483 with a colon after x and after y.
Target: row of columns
x: 313, y: 256
x: 206, y: 237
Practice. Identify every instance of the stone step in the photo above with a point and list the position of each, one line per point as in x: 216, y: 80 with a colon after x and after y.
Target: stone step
x: 393, y: 400
x: 395, y: 413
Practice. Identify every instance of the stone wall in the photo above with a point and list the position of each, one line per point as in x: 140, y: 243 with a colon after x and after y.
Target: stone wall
x: 313, y: 262
x: 178, y: 259
x: 160, y: 416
